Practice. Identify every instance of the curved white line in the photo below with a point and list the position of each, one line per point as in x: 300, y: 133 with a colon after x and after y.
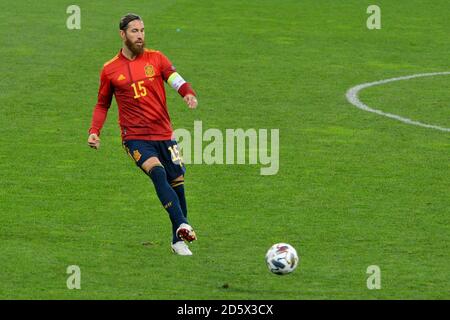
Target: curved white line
x: 352, y: 97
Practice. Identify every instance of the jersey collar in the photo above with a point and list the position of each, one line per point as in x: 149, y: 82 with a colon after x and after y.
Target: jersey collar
x: 121, y: 55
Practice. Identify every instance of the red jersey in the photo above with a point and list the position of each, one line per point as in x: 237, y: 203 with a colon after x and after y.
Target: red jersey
x: 138, y: 86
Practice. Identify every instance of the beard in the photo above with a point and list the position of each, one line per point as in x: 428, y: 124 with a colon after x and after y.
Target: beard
x: 135, y: 48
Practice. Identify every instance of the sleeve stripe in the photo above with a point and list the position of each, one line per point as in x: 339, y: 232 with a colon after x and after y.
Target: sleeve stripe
x: 176, y: 81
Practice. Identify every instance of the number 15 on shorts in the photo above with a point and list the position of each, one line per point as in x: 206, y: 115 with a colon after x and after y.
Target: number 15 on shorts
x: 175, y: 155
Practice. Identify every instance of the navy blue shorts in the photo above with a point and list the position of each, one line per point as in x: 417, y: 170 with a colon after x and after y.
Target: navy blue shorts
x: 166, y: 151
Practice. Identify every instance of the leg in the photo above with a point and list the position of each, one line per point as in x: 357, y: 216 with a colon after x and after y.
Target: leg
x: 178, y: 185
x: 166, y: 194
x: 172, y: 161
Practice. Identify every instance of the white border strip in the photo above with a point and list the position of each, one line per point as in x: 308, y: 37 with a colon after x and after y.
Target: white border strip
x: 352, y: 97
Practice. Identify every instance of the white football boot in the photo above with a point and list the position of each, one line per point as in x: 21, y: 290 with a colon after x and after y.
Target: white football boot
x: 186, y: 233
x: 181, y: 248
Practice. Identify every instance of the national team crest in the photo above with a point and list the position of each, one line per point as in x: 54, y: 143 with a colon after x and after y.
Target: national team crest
x: 136, y: 155
x: 149, y: 71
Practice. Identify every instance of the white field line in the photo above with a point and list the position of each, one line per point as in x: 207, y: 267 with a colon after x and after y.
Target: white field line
x: 352, y: 97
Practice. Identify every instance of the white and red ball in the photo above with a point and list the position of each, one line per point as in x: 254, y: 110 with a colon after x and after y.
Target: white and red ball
x: 282, y: 258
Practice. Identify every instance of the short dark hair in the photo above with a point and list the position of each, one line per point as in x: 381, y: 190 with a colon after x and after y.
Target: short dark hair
x: 126, y: 19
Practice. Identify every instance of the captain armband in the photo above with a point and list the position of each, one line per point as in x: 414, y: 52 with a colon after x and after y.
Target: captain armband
x: 176, y: 81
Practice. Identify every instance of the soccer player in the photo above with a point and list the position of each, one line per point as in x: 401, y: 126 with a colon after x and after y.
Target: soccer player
x: 136, y: 77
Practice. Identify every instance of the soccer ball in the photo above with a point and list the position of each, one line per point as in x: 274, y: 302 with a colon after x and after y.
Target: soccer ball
x: 282, y: 258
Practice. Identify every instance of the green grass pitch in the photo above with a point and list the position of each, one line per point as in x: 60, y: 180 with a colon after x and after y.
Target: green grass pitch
x: 354, y: 189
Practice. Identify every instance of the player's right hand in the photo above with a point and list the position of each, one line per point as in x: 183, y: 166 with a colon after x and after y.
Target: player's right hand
x: 94, y: 141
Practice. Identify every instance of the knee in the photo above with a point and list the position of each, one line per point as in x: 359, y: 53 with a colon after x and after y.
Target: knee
x: 177, y: 181
x: 150, y: 163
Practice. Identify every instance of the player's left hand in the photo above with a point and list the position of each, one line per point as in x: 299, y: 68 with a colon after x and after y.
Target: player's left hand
x: 191, y: 101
